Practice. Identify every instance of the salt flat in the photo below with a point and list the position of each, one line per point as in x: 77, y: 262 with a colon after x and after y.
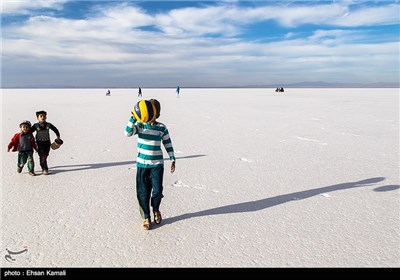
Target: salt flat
x: 305, y: 178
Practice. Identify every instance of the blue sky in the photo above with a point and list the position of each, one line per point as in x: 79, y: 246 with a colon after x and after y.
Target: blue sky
x: 198, y: 43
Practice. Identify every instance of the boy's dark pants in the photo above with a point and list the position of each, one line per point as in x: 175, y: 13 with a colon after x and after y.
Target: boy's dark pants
x: 26, y: 157
x: 43, y: 151
x: 149, y: 184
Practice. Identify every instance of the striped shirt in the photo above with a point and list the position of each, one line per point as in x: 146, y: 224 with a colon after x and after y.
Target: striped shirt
x: 149, y: 142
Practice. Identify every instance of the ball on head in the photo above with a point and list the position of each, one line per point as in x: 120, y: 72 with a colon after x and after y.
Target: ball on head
x: 144, y: 111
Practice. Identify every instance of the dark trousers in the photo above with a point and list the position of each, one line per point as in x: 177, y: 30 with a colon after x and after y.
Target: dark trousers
x: 26, y: 157
x: 43, y: 151
x: 149, y: 189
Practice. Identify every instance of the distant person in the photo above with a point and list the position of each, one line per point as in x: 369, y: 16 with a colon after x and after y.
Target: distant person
x: 108, y: 93
x: 42, y: 128
x: 281, y: 89
x: 140, y: 92
x: 24, y: 143
x: 177, y: 91
x: 150, y: 164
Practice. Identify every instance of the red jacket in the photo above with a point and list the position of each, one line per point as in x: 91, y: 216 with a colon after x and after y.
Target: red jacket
x: 14, y: 143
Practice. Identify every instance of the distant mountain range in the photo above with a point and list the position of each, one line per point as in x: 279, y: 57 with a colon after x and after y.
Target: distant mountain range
x: 333, y: 85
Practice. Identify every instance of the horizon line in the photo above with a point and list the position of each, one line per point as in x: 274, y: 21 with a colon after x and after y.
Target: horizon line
x: 188, y: 87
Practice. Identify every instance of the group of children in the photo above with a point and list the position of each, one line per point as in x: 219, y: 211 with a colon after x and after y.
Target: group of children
x: 149, y: 163
x: 25, y: 143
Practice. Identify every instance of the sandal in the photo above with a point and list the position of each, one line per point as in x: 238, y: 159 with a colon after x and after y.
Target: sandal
x: 157, y: 217
x: 146, y: 224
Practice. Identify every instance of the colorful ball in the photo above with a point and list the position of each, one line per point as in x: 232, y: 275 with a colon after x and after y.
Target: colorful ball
x: 144, y: 111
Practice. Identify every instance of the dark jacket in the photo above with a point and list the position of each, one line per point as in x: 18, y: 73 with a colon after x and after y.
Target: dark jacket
x: 42, y: 131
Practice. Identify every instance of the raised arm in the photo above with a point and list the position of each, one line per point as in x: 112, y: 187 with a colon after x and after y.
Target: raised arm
x: 130, y: 128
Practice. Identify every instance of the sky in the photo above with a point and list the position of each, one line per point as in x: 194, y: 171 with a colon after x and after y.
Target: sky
x: 199, y: 43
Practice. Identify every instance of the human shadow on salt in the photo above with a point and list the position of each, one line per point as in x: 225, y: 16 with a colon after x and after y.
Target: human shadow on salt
x: 387, y: 188
x: 257, y: 205
x: 80, y: 167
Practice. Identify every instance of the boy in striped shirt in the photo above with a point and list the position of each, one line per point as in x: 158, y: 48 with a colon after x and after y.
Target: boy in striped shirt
x: 150, y: 163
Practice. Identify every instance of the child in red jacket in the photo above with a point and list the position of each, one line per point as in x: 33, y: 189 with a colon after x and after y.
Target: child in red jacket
x: 24, y: 143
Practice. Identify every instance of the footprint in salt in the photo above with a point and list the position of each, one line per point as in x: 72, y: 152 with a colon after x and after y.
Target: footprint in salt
x: 178, y: 184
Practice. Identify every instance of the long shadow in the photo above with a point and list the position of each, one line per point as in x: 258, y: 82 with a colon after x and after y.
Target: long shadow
x: 78, y: 167
x: 59, y: 168
x: 261, y: 204
x: 194, y: 156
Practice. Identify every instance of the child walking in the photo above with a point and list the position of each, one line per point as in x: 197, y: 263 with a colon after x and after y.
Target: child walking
x: 150, y: 164
x: 42, y: 128
x: 24, y: 143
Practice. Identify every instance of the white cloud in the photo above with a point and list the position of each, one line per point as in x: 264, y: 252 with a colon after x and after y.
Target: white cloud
x: 336, y: 14
x: 26, y: 6
x: 121, y: 16
x: 388, y: 14
x: 199, y: 21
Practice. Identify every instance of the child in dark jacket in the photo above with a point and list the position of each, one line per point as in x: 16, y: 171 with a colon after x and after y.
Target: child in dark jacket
x: 24, y: 143
x: 42, y: 128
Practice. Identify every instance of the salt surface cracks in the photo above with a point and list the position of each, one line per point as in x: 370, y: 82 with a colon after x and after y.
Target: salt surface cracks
x: 179, y: 183
x: 311, y: 140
